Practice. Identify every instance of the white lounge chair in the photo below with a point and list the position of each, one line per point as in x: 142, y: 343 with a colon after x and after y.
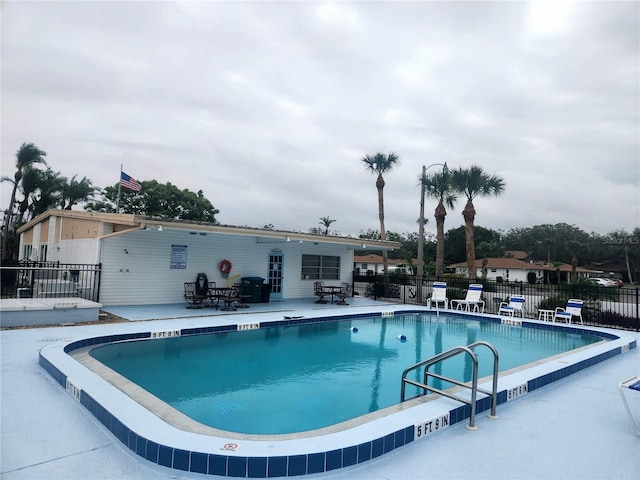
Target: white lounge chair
x: 438, y: 295
x: 632, y: 384
x: 573, y: 309
x: 472, y: 301
x: 515, y: 306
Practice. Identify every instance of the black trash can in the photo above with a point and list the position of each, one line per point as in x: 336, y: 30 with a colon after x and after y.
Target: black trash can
x: 265, y: 293
x: 252, y: 288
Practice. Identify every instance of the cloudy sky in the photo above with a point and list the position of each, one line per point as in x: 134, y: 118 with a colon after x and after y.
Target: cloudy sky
x: 269, y: 107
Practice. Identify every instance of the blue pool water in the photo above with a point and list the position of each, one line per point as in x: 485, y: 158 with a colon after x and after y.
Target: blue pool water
x: 303, y: 377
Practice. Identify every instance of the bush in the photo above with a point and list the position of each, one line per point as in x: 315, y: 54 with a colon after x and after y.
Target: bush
x: 551, y: 303
x: 456, y: 294
x: 618, y: 320
x: 377, y: 290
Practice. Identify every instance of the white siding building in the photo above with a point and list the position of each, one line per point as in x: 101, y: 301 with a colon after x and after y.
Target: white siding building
x: 147, y: 260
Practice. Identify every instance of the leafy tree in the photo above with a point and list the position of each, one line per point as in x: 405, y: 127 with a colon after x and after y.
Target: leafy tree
x: 326, y: 223
x: 380, y: 164
x: 439, y: 186
x: 158, y: 200
x: 369, y: 235
x: 474, y: 182
x: 550, y: 242
x: 626, y: 246
x: 489, y: 243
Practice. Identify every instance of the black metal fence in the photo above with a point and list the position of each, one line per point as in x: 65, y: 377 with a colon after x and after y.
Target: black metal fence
x: 603, y: 306
x: 50, y: 279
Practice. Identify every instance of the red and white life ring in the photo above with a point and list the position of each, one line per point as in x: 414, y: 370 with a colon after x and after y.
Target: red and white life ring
x: 225, y: 267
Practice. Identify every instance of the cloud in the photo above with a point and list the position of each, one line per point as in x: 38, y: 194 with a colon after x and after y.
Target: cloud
x: 268, y: 108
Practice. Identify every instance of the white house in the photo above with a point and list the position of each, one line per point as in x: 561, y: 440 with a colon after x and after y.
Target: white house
x: 147, y: 260
x: 372, y: 263
x: 509, y: 269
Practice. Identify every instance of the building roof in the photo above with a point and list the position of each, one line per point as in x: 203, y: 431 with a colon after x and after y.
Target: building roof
x: 374, y: 258
x: 139, y: 222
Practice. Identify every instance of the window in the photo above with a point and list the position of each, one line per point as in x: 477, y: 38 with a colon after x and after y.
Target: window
x: 320, y: 267
x: 26, y: 252
x: 43, y: 252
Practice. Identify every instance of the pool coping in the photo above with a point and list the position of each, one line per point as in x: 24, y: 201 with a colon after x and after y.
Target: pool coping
x: 156, y: 441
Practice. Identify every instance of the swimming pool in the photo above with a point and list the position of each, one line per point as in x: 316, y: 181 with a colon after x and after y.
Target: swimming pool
x: 205, y: 450
x: 287, y: 379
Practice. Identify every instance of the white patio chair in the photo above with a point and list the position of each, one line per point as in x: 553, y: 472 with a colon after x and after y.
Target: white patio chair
x: 573, y: 309
x: 472, y: 300
x: 515, y: 306
x: 438, y: 295
x: 632, y: 384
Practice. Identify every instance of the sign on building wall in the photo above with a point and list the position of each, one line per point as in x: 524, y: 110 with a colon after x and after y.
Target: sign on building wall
x: 178, y: 257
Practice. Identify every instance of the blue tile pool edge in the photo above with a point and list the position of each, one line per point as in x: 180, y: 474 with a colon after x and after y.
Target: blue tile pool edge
x: 225, y: 460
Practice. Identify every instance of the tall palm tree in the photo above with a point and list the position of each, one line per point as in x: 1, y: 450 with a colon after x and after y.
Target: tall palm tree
x: 379, y: 164
x: 439, y: 186
x: 74, y: 192
x: 326, y: 223
x: 474, y: 182
x: 28, y: 154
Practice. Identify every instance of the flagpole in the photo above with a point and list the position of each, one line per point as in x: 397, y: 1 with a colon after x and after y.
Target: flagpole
x: 119, y: 187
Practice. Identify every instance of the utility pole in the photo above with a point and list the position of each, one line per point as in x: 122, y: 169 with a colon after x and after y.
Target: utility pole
x: 421, y: 229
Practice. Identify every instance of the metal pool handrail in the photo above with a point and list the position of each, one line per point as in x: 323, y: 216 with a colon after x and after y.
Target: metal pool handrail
x: 474, y: 382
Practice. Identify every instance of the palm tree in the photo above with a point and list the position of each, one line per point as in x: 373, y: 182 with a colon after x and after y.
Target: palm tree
x: 47, y: 192
x: 379, y: 164
x: 439, y: 187
x: 28, y: 154
x: 326, y: 223
x: 74, y: 192
x: 474, y: 182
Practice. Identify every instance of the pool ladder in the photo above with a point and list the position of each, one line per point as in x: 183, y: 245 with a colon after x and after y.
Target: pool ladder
x: 474, y: 382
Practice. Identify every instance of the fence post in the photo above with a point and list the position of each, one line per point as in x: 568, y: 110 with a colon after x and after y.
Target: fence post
x: 637, y: 310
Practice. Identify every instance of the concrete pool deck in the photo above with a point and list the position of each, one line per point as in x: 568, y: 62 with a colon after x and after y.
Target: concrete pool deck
x: 573, y: 428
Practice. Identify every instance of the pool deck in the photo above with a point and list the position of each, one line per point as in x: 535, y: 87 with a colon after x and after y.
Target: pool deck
x: 575, y: 428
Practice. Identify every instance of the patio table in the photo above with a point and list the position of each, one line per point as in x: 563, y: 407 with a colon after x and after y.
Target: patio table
x: 545, y: 315
x: 332, y: 290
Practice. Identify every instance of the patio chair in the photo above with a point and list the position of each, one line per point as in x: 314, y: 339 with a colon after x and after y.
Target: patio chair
x: 515, y: 306
x: 472, y: 300
x: 213, y: 299
x: 231, y: 299
x: 319, y: 291
x: 242, y: 297
x: 438, y: 295
x: 573, y: 309
x: 345, y: 291
x: 632, y: 384
x: 192, y: 297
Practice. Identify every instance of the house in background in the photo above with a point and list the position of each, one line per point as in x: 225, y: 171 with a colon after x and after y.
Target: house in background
x: 147, y: 260
x: 372, y: 264
x: 510, y: 269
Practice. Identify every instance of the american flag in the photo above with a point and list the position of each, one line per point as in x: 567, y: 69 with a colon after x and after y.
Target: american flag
x: 127, y: 182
